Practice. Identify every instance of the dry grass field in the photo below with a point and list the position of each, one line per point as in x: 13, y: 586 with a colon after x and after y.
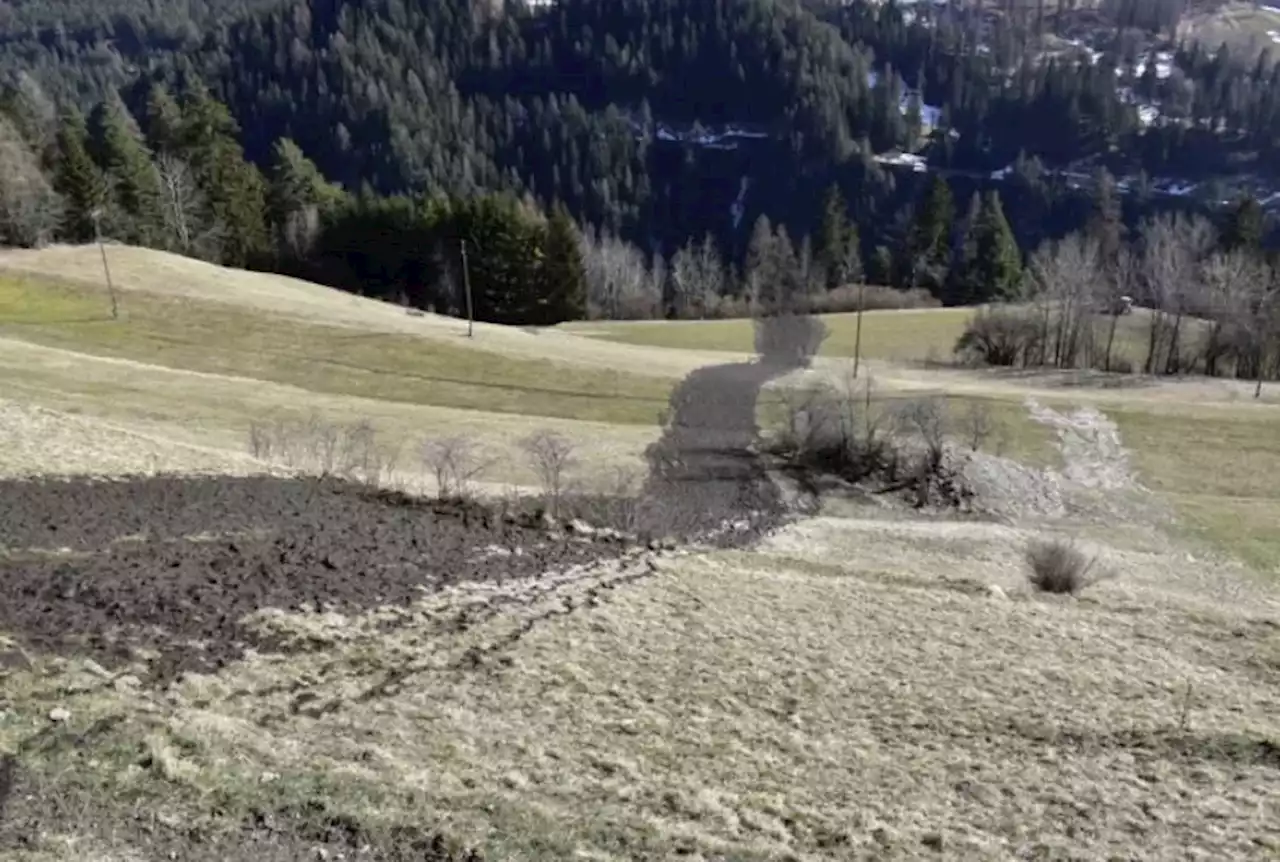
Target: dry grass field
x: 866, y: 682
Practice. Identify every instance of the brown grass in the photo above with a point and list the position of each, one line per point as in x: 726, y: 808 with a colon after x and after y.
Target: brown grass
x: 756, y: 706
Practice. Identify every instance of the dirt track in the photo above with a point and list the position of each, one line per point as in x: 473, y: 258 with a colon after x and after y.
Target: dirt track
x: 172, y: 565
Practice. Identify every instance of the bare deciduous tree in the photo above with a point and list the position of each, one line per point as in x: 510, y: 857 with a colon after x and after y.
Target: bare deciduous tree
x: 977, y: 424
x: 1116, y: 289
x: 30, y: 209
x: 1064, y: 278
x: 454, y: 464
x: 699, y: 278
x: 1234, y: 283
x: 928, y: 421
x: 551, y: 456
x: 1173, y: 247
x: 619, y: 283
x: 191, y: 231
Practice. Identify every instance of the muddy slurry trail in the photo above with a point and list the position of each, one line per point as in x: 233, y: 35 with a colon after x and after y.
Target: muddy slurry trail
x: 169, y: 567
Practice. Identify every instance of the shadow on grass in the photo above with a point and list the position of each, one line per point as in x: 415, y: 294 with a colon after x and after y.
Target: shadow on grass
x: 704, y: 472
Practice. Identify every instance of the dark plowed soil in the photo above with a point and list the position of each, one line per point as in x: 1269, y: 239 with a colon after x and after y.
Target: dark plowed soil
x: 261, y: 542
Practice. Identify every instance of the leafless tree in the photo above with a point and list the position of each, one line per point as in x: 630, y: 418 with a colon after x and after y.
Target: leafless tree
x: 619, y: 283
x: 454, y: 464
x: 625, y: 490
x: 1173, y: 248
x: 927, y: 421
x: 1064, y: 278
x: 551, y: 456
x: 1116, y: 287
x: 1234, y: 283
x: 191, y: 230
x: 30, y: 209
x: 1254, y: 333
x: 977, y: 424
x: 699, y: 278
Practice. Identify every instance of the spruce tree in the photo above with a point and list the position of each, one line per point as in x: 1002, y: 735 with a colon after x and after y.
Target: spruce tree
x: 760, y: 271
x: 117, y: 147
x: 1106, y: 222
x: 998, y: 264
x: 563, y: 272
x: 838, y: 250
x: 961, y: 288
x: 929, y: 245
x: 298, y: 198
x: 234, y: 188
x: 787, y: 278
x: 163, y: 121
x: 1244, y: 227
x: 78, y: 180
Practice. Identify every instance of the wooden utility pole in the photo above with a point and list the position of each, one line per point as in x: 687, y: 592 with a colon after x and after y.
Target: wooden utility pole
x: 857, y: 333
x: 466, y: 282
x: 106, y: 270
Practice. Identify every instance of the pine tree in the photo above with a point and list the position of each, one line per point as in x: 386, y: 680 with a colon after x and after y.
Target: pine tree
x: 78, y: 180
x: 760, y: 271
x: 960, y: 280
x: 234, y: 189
x: 787, y: 280
x: 1106, y: 222
x: 298, y: 198
x: 237, y: 197
x: 929, y: 244
x: 1244, y: 227
x: 163, y: 121
x: 997, y: 268
x: 882, y: 265
x: 838, y: 253
x: 563, y: 272
x: 117, y: 147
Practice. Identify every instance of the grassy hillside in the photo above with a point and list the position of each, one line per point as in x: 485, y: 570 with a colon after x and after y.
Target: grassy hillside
x: 201, y: 351
x: 865, y: 683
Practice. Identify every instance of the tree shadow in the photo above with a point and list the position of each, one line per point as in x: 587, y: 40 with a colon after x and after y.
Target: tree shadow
x: 705, y: 471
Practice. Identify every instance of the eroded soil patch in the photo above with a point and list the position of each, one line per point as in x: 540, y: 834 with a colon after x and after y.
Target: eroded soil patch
x: 298, y: 545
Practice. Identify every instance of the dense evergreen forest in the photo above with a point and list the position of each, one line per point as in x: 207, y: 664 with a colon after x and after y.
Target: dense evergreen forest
x: 633, y: 158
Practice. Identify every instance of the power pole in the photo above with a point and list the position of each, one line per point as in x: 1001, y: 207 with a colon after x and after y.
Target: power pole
x: 106, y: 270
x: 857, y: 333
x: 466, y: 281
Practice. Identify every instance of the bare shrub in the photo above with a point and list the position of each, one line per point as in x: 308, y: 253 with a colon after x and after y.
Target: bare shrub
x: 976, y: 424
x: 1001, y: 337
x: 928, y: 420
x: 834, y: 431
x: 1059, y: 567
x: 625, y: 492
x: 551, y: 455
x: 454, y: 464
x: 313, y: 446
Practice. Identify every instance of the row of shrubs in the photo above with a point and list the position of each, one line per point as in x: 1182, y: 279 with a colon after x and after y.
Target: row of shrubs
x: 824, y: 433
